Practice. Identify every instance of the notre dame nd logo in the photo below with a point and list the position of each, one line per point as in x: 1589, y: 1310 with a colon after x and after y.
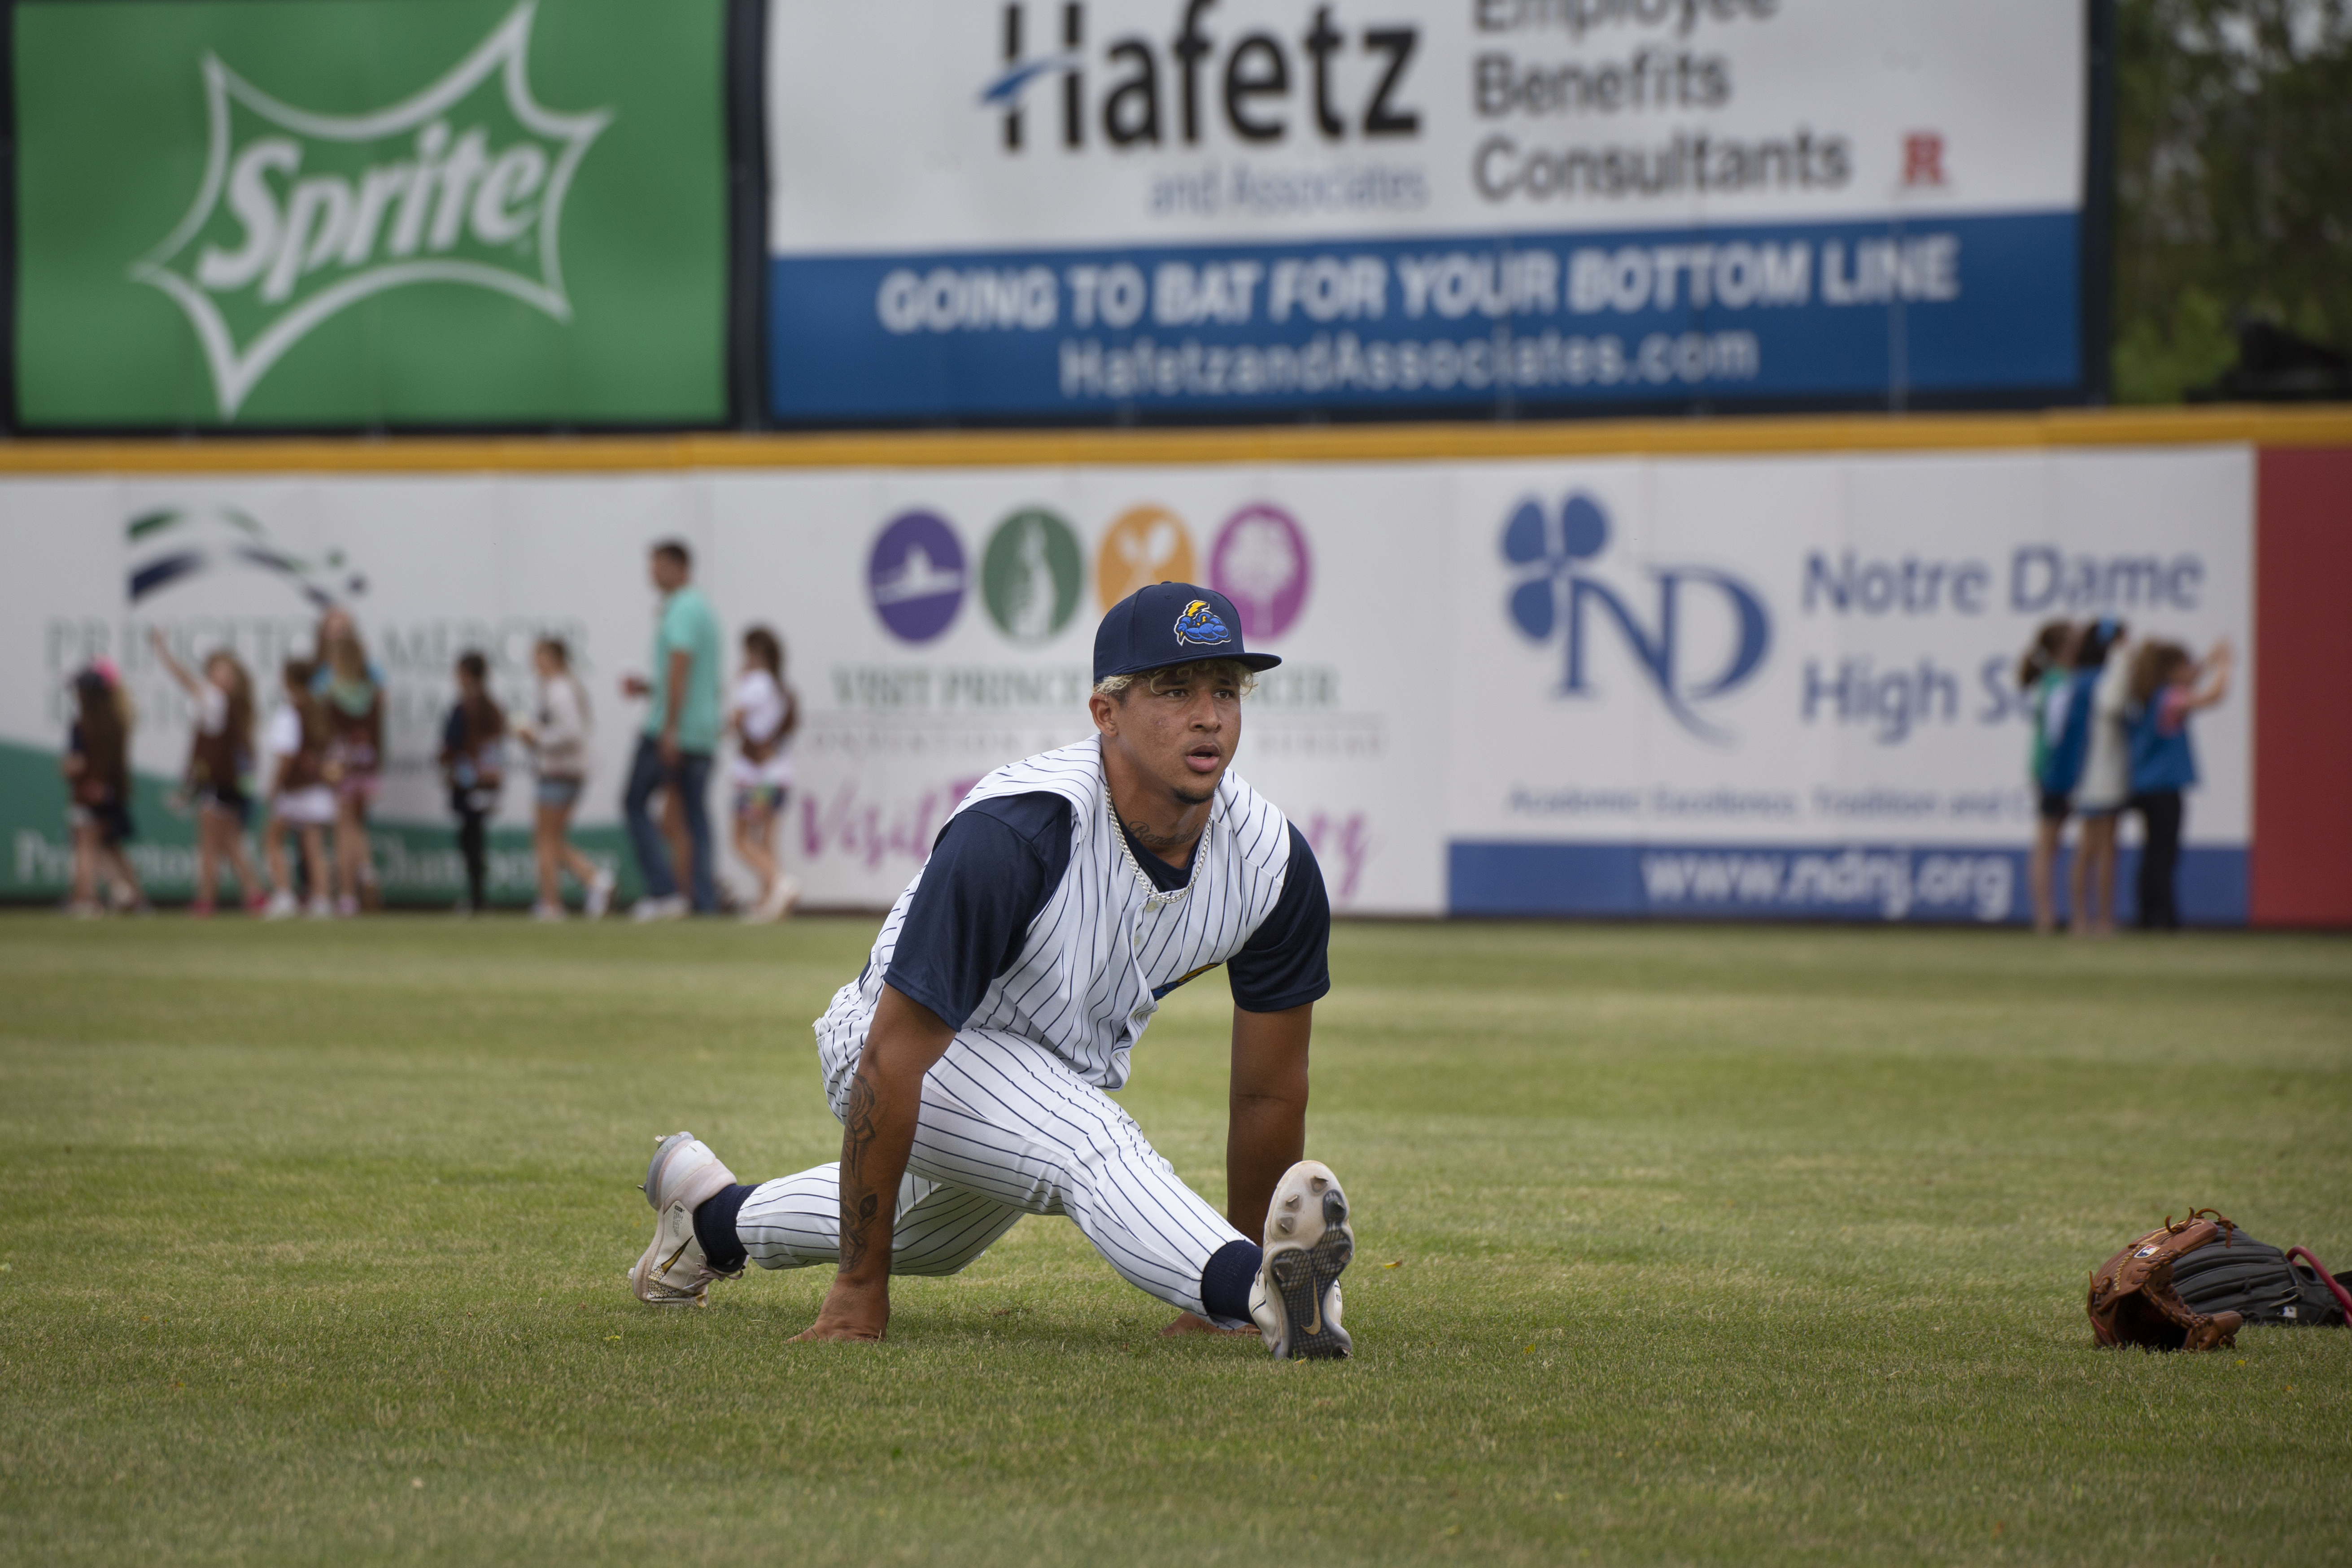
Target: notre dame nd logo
x: 303, y: 215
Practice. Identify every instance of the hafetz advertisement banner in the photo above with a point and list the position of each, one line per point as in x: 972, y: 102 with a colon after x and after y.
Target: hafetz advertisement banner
x: 1074, y: 208
x: 1785, y: 687
x: 1759, y: 688
x: 360, y: 213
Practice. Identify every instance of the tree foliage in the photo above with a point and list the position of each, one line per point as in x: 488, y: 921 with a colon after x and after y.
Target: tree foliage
x: 2233, y: 183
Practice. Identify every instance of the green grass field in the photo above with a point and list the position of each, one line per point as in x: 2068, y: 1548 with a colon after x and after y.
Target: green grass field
x: 1678, y: 1246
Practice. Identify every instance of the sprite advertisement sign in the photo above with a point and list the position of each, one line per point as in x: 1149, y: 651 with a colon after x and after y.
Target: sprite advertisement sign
x: 366, y: 212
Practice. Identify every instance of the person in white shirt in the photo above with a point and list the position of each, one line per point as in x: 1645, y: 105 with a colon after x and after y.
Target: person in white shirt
x: 762, y: 714
x: 2105, y: 784
x: 558, y: 737
x: 300, y: 797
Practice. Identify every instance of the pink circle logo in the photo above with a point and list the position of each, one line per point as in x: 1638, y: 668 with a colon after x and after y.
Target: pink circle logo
x: 1260, y: 562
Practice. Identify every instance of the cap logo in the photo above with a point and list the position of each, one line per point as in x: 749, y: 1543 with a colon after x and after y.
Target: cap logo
x: 1200, y: 625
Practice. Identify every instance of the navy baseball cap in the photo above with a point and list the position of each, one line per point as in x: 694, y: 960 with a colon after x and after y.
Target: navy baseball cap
x: 1172, y: 623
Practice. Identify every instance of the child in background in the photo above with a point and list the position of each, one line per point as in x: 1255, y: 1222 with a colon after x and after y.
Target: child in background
x: 220, y: 755
x: 97, y: 765
x: 559, y: 738
x: 352, y: 703
x: 2101, y: 689
x: 473, y: 760
x: 2041, y: 678
x: 2164, y: 693
x: 764, y: 715
x: 299, y: 800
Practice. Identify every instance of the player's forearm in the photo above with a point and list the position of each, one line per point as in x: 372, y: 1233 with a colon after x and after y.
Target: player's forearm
x: 1264, y: 1138
x: 1266, y: 1126
x: 877, y: 1130
x: 877, y: 1137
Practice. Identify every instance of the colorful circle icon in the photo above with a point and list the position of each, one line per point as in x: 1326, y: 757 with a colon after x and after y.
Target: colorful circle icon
x: 1144, y: 545
x: 1030, y: 575
x: 916, y: 576
x: 1260, y: 561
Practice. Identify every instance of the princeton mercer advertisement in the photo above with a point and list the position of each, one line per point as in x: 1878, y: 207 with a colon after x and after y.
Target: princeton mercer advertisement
x: 369, y: 212
x: 1761, y: 688
x: 1074, y: 209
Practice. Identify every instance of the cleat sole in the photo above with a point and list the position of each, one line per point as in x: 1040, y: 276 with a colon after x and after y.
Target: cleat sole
x: 1303, y: 1278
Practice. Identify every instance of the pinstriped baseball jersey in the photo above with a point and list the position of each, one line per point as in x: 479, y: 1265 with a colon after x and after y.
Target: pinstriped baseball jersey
x: 1108, y: 944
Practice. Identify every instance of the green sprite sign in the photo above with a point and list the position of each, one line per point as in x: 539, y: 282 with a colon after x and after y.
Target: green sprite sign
x: 320, y: 213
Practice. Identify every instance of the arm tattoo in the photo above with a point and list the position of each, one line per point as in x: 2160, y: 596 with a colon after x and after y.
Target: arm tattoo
x: 858, y: 1205
x: 855, y: 1224
x: 858, y: 1128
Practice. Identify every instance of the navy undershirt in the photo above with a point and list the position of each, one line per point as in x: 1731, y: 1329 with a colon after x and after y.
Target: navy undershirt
x: 998, y: 862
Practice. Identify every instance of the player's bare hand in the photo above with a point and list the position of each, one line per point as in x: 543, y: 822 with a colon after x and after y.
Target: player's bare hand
x: 826, y: 1330
x: 1193, y: 1323
x: 853, y: 1312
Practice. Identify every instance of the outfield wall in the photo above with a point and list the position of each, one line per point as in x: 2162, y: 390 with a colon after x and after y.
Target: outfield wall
x: 1753, y: 670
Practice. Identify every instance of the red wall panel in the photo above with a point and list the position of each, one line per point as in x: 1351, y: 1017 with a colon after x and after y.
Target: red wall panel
x: 2301, y: 870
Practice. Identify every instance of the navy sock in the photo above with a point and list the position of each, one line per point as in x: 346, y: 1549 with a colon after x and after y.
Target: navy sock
x: 1226, y: 1279
x: 714, y: 1227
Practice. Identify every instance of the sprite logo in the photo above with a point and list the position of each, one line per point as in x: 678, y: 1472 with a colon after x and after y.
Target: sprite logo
x: 303, y: 215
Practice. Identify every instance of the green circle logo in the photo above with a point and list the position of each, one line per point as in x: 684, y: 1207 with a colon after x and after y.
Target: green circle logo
x: 1029, y: 576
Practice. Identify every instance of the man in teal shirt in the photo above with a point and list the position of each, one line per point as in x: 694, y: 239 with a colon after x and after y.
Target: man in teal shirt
x: 681, y: 732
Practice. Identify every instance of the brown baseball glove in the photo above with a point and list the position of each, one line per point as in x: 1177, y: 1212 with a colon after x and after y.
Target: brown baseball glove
x: 2132, y: 1299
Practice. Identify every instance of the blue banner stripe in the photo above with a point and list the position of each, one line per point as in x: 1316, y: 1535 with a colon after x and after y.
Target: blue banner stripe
x: 1792, y: 310
x: 1970, y: 884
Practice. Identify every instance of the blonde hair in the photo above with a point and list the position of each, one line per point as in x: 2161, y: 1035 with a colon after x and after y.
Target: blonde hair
x: 1243, y: 679
x: 347, y: 656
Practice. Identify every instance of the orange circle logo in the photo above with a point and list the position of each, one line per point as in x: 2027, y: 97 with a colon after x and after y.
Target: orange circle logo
x: 1146, y: 545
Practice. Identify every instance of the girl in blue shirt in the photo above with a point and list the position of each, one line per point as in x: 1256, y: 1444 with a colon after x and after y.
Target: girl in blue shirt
x: 2164, y: 690
x: 2041, y: 680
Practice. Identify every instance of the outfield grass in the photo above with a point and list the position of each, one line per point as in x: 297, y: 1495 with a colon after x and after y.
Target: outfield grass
x: 1678, y: 1246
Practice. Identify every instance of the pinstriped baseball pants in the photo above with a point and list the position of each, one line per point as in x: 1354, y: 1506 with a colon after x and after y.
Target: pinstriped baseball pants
x: 1007, y: 1129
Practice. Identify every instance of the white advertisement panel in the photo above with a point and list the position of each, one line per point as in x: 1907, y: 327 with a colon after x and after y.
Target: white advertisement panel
x: 1071, y: 206
x: 1787, y: 686
x: 1764, y: 686
x: 943, y: 623
x: 937, y: 625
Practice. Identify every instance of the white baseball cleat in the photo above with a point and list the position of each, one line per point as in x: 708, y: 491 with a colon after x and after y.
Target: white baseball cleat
x: 1294, y: 1300
x: 684, y: 1176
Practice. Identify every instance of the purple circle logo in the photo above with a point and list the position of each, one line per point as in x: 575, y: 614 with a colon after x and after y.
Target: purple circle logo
x: 916, y: 576
x: 1260, y: 562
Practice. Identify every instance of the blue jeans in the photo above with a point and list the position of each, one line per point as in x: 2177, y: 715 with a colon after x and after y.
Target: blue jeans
x: 692, y: 783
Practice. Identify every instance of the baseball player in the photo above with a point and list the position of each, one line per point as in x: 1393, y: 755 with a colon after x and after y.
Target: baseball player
x: 970, y: 1063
